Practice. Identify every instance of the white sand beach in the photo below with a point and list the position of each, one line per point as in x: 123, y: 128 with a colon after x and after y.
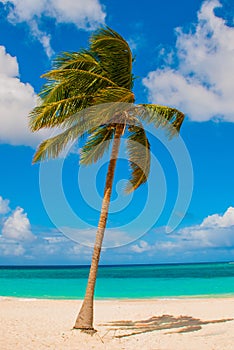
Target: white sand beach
x: 157, y: 324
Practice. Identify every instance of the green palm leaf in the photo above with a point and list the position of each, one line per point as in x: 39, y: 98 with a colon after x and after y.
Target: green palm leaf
x: 114, y: 94
x: 97, y: 144
x: 83, y: 59
x: 162, y: 116
x: 55, y: 113
x: 71, y: 87
x: 115, y: 56
x: 52, y: 147
x: 83, y: 77
x: 138, y: 148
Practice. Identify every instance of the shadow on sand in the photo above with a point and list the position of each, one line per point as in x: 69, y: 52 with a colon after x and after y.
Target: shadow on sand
x: 181, y: 324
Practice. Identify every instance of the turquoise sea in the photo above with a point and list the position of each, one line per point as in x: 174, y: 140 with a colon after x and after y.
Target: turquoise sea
x: 128, y: 281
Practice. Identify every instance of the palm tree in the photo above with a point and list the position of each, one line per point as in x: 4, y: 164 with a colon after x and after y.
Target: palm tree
x: 99, y: 76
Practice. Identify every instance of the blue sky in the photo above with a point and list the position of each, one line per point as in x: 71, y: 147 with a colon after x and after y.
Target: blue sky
x: 184, y: 58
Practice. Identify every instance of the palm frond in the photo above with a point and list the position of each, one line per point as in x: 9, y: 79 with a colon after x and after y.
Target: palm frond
x: 52, y: 147
x: 114, y: 94
x: 55, y: 113
x: 97, y: 144
x: 162, y: 116
x: 83, y: 59
x: 138, y: 148
x: 84, y: 77
x: 61, y: 99
x: 100, y: 114
x: 58, y: 76
x: 115, y: 56
x: 80, y: 80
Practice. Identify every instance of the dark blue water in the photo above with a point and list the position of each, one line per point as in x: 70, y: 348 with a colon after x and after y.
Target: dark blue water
x: 131, y: 281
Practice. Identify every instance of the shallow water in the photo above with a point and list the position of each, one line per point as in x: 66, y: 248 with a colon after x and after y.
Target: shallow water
x: 126, y: 281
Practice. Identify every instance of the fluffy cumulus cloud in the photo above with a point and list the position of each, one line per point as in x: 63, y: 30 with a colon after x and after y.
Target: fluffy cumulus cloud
x: 216, y: 232
x: 16, y: 101
x: 15, y: 230
x: 86, y: 15
x: 17, y: 226
x: 199, y: 76
x: 221, y: 221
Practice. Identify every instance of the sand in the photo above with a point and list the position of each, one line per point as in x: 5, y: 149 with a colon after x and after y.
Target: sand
x: 157, y: 324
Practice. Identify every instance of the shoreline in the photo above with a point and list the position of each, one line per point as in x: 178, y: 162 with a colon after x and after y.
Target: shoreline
x: 126, y: 324
x: 176, y: 297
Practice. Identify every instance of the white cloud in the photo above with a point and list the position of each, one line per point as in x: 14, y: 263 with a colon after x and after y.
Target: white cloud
x: 112, y: 238
x: 17, y: 227
x: 202, y: 85
x: 215, y: 232
x: 4, y: 206
x: 16, y: 101
x: 216, y: 220
x: 10, y: 248
x: 140, y: 247
x: 86, y: 15
x: 18, y: 239
x: 8, y: 64
x: 42, y: 36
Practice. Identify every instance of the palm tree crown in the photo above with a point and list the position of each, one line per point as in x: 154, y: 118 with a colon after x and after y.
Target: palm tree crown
x: 102, y: 74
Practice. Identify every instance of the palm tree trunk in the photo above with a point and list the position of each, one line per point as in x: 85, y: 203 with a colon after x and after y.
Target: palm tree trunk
x: 84, y: 319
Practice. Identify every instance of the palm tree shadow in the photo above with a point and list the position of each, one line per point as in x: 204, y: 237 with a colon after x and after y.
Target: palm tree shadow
x: 181, y: 324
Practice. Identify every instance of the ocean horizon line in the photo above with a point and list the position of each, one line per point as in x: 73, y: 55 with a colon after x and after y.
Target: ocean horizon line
x: 113, y: 265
